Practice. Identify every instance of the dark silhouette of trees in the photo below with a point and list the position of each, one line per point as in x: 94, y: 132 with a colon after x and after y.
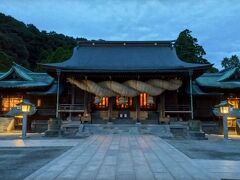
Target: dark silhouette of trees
x: 189, y: 50
x: 231, y: 62
x: 26, y: 45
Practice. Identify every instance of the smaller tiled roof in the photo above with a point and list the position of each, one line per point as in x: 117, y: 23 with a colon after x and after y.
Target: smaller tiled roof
x: 197, y: 91
x: 52, y: 90
x: 225, y: 79
x: 20, y: 77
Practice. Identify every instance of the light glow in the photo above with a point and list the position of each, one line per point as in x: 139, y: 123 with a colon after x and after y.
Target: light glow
x: 235, y: 102
x: 224, y: 110
x: 39, y: 102
x: 25, y: 108
x: 10, y: 102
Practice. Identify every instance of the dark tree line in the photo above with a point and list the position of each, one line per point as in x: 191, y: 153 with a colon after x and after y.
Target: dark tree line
x: 26, y: 45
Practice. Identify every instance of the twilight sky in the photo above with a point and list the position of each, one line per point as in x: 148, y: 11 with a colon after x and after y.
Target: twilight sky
x: 216, y: 23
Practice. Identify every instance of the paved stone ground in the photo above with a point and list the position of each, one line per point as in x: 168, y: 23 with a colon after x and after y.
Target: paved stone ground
x: 108, y: 157
x: 212, y: 149
x: 132, y: 157
x: 18, y: 163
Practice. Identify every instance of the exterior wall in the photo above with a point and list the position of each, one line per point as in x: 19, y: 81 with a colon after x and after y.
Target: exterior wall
x: 46, y: 108
x: 171, y: 99
x: 203, y: 106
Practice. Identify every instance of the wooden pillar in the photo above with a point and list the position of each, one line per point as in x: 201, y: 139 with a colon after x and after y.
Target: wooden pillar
x: 162, y: 105
x: 58, y: 91
x: 85, y: 102
x: 110, y: 105
x: 72, y: 100
x: 137, y: 109
x: 191, y: 96
x: 73, y: 95
x: 177, y: 106
x: 159, y: 111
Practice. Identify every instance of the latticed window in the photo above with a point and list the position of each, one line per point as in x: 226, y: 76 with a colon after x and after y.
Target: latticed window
x: 124, y: 102
x: 146, y: 101
x: 9, y: 102
x: 143, y: 100
x: 103, y: 104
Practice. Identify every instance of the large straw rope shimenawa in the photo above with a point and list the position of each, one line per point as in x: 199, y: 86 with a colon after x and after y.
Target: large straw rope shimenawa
x: 92, y: 87
x: 172, y: 84
x: 119, y: 88
x: 144, y: 87
x: 130, y: 88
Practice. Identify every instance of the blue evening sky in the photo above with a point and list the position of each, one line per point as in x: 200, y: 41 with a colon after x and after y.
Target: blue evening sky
x: 216, y: 23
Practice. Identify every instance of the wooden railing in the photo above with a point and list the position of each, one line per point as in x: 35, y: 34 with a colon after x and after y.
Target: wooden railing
x: 71, y: 108
x: 177, y: 109
x: 46, y: 111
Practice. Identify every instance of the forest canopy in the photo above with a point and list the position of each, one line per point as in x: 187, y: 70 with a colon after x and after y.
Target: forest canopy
x: 26, y: 45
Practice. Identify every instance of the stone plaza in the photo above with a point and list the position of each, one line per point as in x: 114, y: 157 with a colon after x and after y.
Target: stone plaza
x: 123, y: 156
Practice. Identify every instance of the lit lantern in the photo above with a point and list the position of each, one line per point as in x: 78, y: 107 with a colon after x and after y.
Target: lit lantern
x: 26, y: 108
x: 224, y: 109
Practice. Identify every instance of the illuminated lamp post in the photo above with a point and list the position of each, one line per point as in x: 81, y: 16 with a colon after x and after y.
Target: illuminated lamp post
x: 26, y: 108
x: 224, y: 109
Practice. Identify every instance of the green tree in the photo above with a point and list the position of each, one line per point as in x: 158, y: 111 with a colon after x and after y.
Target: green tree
x: 5, y: 61
x: 231, y: 62
x: 59, y: 55
x: 188, y: 49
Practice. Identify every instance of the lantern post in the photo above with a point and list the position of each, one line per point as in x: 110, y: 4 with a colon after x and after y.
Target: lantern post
x: 224, y: 109
x: 26, y: 108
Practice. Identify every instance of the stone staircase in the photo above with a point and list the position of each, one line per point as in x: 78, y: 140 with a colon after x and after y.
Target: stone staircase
x: 6, y: 124
x: 132, y: 129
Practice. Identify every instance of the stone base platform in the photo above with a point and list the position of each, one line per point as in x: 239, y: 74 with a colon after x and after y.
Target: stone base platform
x: 132, y: 129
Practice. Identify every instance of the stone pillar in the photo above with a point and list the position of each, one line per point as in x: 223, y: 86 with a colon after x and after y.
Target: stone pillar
x: 225, y: 127
x: 24, y: 126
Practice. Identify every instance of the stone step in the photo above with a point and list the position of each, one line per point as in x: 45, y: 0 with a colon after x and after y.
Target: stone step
x: 6, y: 124
x: 197, y: 135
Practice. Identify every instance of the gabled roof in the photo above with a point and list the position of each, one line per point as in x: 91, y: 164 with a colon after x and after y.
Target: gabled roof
x: 20, y: 77
x: 125, y: 56
x: 197, y: 91
x: 52, y: 90
x: 225, y: 79
x: 20, y: 72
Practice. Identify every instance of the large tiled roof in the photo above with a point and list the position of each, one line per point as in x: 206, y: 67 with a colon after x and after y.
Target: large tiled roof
x: 125, y: 56
x: 20, y: 77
